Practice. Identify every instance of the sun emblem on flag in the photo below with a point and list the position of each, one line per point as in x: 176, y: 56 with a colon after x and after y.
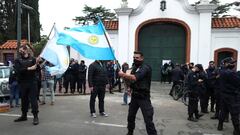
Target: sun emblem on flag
x: 66, y: 61
x: 93, y: 39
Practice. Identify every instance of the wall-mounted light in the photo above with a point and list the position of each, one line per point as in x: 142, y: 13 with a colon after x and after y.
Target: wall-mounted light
x: 163, y: 5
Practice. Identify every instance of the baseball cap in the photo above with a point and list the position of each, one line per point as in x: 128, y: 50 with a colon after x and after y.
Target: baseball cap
x: 229, y: 60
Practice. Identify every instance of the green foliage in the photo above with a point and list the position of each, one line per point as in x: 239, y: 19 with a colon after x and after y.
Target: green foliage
x: 38, y: 46
x: 8, y: 15
x: 91, y: 13
x: 221, y: 9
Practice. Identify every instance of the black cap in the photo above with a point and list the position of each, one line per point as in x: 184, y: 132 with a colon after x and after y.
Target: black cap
x: 229, y: 60
x: 199, y: 66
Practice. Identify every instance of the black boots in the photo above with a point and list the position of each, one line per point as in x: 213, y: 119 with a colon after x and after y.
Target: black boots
x: 130, y: 133
x: 35, y: 119
x: 21, y: 118
x: 220, y: 126
x: 214, y: 117
x: 198, y: 115
x: 236, y: 130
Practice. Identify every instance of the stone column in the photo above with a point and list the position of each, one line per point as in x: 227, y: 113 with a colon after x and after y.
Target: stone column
x: 205, y: 10
x: 122, y: 49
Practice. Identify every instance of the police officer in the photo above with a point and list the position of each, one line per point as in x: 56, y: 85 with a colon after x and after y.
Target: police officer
x: 97, y: 80
x: 82, y: 70
x: 141, y: 82
x: 195, y: 86
x: 26, y: 72
x: 177, y: 76
x: 211, y: 84
x: 230, y: 95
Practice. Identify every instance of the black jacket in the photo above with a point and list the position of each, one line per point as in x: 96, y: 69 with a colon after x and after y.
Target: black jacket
x: 177, y: 74
x: 230, y: 82
x: 82, y: 70
x: 141, y: 87
x: 97, y: 75
x: 21, y: 65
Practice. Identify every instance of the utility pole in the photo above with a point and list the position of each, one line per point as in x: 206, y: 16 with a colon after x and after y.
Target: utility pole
x: 19, y: 34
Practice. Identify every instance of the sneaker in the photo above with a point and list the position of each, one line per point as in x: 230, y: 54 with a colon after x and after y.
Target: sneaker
x: 93, y: 115
x: 52, y: 103
x: 104, y: 114
x: 17, y: 105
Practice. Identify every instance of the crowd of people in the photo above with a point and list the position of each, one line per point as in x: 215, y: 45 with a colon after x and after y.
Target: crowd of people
x: 217, y: 85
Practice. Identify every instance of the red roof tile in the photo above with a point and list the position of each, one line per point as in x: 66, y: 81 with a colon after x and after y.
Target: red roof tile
x: 226, y: 22
x: 111, y: 25
x: 12, y: 45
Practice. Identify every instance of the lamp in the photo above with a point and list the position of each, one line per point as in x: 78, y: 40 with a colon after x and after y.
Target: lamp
x: 163, y: 5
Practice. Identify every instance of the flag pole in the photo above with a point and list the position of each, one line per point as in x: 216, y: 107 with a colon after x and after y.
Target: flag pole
x: 48, y: 36
x: 106, y: 37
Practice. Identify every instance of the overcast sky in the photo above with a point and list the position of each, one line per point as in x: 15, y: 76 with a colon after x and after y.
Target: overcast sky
x: 63, y: 11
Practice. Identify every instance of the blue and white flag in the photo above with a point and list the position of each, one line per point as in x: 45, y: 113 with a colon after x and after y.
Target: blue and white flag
x: 90, y: 41
x: 57, y: 55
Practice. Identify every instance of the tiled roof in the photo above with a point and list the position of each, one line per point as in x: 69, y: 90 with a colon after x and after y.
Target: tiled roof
x: 111, y: 25
x: 226, y: 22
x: 11, y: 45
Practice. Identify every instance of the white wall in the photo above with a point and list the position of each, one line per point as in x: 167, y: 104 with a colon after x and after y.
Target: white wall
x: 226, y: 38
x: 174, y: 10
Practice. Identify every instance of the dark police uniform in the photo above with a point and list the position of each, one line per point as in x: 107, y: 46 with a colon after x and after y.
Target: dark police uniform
x: 141, y: 99
x: 28, y: 84
x: 211, y: 85
x: 82, y: 70
x: 230, y: 97
x: 97, y: 78
x: 195, y: 87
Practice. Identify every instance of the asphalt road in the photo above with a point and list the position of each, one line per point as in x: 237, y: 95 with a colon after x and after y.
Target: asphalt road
x: 70, y: 116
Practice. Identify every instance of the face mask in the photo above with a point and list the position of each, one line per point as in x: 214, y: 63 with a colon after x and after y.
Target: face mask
x: 231, y: 66
x: 137, y: 62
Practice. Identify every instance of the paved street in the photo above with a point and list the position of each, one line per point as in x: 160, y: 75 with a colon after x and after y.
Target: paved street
x: 70, y: 116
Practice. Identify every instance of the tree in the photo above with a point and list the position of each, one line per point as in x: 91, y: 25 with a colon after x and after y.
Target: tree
x: 34, y: 19
x: 92, y: 13
x: 221, y: 10
x: 38, y: 46
x: 8, y: 20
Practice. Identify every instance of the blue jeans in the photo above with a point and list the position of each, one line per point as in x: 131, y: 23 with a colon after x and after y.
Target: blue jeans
x: 125, y: 97
x: 14, y: 93
x: 48, y: 84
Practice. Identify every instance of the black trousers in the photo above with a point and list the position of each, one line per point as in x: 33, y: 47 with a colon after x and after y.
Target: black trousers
x: 66, y: 84
x: 81, y: 85
x: 73, y: 82
x: 29, y: 92
x: 147, y: 111
x: 231, y: 104
x: 193, y: 104
x: 100, y: 92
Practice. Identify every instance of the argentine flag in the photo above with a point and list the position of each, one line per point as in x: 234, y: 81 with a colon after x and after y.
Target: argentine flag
x: 57, y: 55
x: 90, y: 41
